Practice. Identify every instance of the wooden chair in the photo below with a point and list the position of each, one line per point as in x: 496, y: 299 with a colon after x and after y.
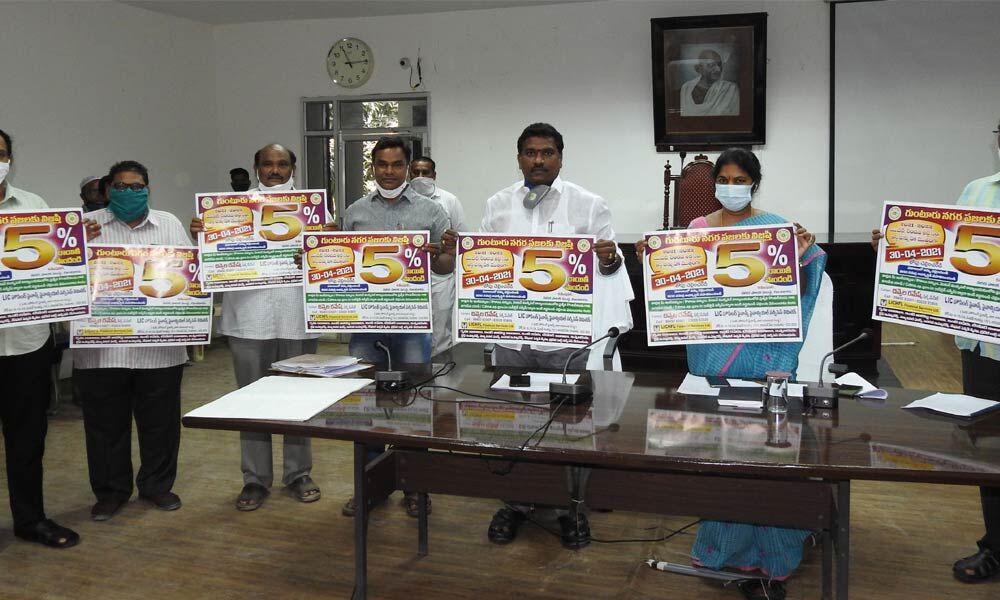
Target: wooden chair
x: 694, y: 192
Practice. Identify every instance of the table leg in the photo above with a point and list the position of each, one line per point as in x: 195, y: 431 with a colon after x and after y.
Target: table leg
x: 843, y: 537
x: 360, y: 524
x: 422, y: 524
x: 828, y: 565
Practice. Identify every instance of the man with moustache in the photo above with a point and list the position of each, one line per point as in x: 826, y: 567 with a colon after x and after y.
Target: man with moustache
x: 263, y: 327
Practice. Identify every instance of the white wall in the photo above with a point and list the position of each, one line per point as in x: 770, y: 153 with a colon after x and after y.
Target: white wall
x: 583, y: 67
x: 85, y: 84
x: 917, y: 96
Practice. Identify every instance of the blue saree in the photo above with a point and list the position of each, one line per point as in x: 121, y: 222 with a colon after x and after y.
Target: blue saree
x: 774, y: 551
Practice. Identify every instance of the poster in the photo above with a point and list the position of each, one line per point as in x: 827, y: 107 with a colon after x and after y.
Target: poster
x: 511, y: 425
x: 373, y: 281
x: 722, y: 284
x: 144, y: 296
x: 43, y: 270
x: 525, y: 289
x: 939, y: 269
x: 251, y: 238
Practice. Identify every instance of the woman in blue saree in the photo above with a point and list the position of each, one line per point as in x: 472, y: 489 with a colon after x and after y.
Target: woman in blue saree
x: 773, y: 552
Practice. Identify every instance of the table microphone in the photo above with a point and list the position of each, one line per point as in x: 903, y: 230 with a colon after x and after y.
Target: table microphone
x: 390, y: 381
x: 535, y: 196
x: 828, y: 395
x: 575, y: 393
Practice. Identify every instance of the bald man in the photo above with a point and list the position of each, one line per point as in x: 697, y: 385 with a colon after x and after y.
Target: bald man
x: 265, y: 326
x: 709, y: 95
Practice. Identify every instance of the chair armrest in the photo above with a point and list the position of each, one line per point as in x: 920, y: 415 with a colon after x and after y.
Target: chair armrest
x: 488, y: 356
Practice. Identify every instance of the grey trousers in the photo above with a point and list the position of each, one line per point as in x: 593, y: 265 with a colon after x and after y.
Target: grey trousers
x: 252, y: 360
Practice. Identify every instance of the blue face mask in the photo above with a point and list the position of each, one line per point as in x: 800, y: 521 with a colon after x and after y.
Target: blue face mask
x: 733, y: 197
x: 128, y: 204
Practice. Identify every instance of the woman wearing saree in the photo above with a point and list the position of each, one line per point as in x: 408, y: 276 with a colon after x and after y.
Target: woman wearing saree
x: 773, y: 552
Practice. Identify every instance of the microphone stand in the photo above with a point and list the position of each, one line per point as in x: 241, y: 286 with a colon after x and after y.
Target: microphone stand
x: 826, y: 397
x: 576, y: 393
x: 390, y: 380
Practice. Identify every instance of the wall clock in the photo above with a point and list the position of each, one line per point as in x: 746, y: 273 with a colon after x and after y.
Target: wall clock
x: 350, y: 62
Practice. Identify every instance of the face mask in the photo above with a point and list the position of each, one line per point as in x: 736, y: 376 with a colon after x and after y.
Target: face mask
x: 424, y: 186
x: 390, y: 194
x: 91, y: 207
x: 281, y: 187
x: 733, y: 197
x: 4, y: 169
x: 129, y: 205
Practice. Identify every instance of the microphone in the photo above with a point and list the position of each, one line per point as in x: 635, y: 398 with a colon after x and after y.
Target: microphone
x: 535, y: 196
x: 575, y: 393
x: 390, y: 381
x: 826, y: 396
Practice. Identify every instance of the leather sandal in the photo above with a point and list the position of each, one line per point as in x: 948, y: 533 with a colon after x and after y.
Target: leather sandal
x: 411, y: 502
x: 49, y: 533
x: 575, y: 535
x: 504, y: 525
x: 252, y: 496
x: 981, y: 566
x: 762, y: 589
x: 304, y: 489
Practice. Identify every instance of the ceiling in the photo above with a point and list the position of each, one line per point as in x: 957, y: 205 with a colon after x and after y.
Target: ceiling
x: 226, y: 12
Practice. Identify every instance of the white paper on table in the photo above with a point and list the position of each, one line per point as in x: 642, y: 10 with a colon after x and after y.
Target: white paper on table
x: 958, y: 405
x: 698, y: 386
x: 539, y: 382
x: 317, y: 360
x: 279, y: 398
x: 867, y: 390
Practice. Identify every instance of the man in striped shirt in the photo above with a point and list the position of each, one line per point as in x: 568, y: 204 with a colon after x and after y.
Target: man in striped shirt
x: 25, y: 370
x: 117, y: 384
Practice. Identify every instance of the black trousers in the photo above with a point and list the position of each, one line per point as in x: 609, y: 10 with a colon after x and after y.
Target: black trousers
x: 26, y: 379
x: 981, y: 378
x: 111, y: 397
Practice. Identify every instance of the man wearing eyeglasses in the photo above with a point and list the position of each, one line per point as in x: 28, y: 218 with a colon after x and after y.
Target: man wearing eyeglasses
x: 544, y: 203
x: 25, y: 362
x: 144, y: 383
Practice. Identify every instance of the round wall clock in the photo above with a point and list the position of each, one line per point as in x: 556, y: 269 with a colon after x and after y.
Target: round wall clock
x: 350, y: 62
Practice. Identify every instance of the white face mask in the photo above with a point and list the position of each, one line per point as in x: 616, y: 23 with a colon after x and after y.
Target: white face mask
x: 390, y: 194
x: 425, y: 186
x: 733, y: 197
x: 4, y: 169
x: 281, y: 187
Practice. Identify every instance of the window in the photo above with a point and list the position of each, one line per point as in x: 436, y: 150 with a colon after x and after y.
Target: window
x: 339, y: 134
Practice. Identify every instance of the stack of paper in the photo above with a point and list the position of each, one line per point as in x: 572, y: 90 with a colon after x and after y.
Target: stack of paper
x: 698, y: 386
x: 958, y: 405
x: 320, y: 365
x: 280, y: 399
x: 867, y: 390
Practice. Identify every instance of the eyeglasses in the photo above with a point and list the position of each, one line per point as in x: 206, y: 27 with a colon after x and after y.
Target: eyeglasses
x: 531, y: 153
x: 135, y: 187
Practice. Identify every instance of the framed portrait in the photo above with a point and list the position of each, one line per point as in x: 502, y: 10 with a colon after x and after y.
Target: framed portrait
x: 709, y: 74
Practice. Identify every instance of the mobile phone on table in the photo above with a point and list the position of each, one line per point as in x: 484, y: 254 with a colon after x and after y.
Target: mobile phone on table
x: 716, y: 381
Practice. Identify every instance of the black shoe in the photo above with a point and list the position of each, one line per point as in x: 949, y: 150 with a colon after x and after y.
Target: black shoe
x: 983, y: 565
x: 105, y: 509
x: 574, y: 535
x: 164, y: 501
x: 49, y: 533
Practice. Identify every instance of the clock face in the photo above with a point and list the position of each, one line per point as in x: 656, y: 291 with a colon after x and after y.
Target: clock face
x: 350, y: 62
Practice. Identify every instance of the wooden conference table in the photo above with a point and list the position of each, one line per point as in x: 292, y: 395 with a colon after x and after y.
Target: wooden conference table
x: 641, y: 446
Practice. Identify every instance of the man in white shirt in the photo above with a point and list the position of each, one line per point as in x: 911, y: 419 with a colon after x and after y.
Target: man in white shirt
x: 25, y: 361
x: 564, y: 208
x: 709, y: 95
x: 119, y: 384
x: 265, y: 326
x: 423, y: 179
